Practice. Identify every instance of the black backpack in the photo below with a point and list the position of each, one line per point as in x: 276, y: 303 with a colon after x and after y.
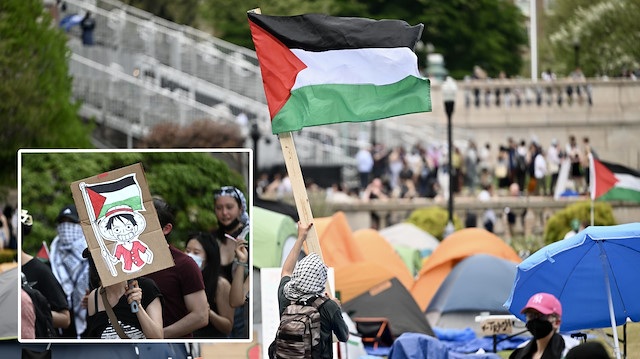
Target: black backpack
x: 44, y: 321
x: 298, y: 334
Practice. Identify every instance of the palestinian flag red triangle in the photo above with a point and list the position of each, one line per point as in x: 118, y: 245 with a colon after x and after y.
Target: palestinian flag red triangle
x: 279, y: 67
x: 604, y: 178
x: 43, y: 252
x: 97, y: 201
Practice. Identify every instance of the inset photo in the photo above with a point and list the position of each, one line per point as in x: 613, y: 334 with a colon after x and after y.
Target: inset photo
x: 144, y: 245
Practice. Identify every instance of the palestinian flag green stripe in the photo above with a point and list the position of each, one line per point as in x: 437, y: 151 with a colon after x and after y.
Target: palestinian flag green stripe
x: 134, y: 202
x: 621, y: 194
x: 327, y: 104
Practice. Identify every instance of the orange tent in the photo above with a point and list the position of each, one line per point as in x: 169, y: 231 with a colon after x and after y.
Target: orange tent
x: 452, y: 250
x: 336, y: 240
x: 356, y: 278
x: 375, y: 248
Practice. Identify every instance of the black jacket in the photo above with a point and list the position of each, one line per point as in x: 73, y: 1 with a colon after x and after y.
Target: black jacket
x: 553, y: 350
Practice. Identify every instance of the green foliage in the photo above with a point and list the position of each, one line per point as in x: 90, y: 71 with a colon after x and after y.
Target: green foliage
x: 433, y: 220
x: 186, y: 180
x: 178, y: 11
x: 560, y: 223
x: 489, y: 33
x: 8, y: 255
x: 604, y: 31
x: 35, y: 89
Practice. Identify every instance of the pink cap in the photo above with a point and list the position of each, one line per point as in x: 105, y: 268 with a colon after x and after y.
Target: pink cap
x: 544, y: 303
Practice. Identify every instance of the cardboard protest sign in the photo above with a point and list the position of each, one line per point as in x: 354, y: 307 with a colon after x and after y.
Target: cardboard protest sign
x: 120, y: 224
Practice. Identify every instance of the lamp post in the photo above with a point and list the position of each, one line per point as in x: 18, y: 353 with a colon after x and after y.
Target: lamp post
x: 449, y: 90
x: 255, y: 137
x: 576, y: 49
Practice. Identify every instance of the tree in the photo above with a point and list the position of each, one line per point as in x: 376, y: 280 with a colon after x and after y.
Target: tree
x: 560, y: 223
x: 36, y: 107
x: 433, y: 220
x: 178, y: 11
x: 186, y: 180
x: 489, y: 33
x: 605, y: 31
x: 228, y: 18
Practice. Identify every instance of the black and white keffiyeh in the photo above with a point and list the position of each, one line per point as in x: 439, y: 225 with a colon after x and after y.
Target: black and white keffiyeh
x: 308, y: 279
x: 70, y: 268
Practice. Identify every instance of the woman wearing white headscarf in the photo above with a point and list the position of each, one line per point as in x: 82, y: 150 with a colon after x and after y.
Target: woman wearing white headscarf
x: 230, y: 207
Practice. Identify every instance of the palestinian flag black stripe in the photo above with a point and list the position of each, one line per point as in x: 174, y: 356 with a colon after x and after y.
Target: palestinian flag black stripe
x: 318, y: 32
x: 113, y: 186
x: 616, y: 168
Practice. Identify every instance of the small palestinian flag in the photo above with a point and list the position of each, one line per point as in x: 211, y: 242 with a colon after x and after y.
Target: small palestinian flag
x: 43, y: 253
x: 320, y: 69
x: 106, y: 195
x: 610, y: 182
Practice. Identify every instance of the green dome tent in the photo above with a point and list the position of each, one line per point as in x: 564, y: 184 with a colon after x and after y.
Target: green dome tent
x: 270, y: 232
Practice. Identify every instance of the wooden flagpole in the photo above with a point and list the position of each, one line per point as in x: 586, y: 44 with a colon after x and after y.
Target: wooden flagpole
x: 300, y: 192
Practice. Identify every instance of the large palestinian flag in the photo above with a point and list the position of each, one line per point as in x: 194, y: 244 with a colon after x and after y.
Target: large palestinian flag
x: 319, y: 69
x: 611, y: 182
x: 106, y: 195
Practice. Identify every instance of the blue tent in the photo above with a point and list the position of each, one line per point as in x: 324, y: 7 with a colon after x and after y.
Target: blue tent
x: 479, y: 283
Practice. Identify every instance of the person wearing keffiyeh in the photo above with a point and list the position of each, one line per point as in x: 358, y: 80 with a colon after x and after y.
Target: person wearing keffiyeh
x: 304, y: 280
x: 70, y: 268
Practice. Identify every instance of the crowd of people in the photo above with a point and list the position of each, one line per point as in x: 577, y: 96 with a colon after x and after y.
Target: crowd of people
x: 514, y: 169
x: 204, y: 295
x: 422, y: 171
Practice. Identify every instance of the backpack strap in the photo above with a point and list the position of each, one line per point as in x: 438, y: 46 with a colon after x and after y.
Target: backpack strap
x: 315, y: 301
x: 112, y: 316
x: 319, y: 302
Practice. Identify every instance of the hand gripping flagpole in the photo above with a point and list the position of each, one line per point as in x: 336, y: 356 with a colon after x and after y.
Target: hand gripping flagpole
x: 300, y: 193
x: 103, y: 248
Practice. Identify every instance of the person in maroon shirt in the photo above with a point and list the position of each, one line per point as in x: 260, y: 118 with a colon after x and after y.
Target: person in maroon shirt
x: 185, y: 302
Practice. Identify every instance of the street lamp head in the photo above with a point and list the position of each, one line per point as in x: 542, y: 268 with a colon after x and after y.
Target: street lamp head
x: 449, y: 90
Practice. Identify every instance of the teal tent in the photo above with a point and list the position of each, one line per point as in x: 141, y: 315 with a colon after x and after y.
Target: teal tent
x: 270, y: 232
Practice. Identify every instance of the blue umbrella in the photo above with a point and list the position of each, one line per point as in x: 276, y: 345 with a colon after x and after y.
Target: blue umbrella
x: 70, y: 20
x: 595, y: 275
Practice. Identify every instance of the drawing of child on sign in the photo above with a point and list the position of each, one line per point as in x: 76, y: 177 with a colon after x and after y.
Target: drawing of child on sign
x: 113, y: 209
x: 122, y: 225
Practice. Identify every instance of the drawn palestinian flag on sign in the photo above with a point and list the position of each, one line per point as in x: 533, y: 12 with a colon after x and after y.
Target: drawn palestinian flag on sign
x: 319, y: 69
x: 106, y: 195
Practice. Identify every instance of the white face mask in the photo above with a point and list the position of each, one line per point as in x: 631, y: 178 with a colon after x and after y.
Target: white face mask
x: 196, y: 258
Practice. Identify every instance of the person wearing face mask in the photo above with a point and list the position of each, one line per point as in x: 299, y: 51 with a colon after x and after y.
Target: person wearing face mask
x: 544, y: 315
x: 205, y: 252
x: 230, y: 207
x: 70, y: 268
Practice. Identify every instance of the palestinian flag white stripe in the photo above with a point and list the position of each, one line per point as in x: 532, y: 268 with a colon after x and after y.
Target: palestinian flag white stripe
x: 627, y: 181
x: 375, y: 66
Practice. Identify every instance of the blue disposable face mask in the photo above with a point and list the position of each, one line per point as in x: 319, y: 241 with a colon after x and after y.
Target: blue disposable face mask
x: 196, y: 258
